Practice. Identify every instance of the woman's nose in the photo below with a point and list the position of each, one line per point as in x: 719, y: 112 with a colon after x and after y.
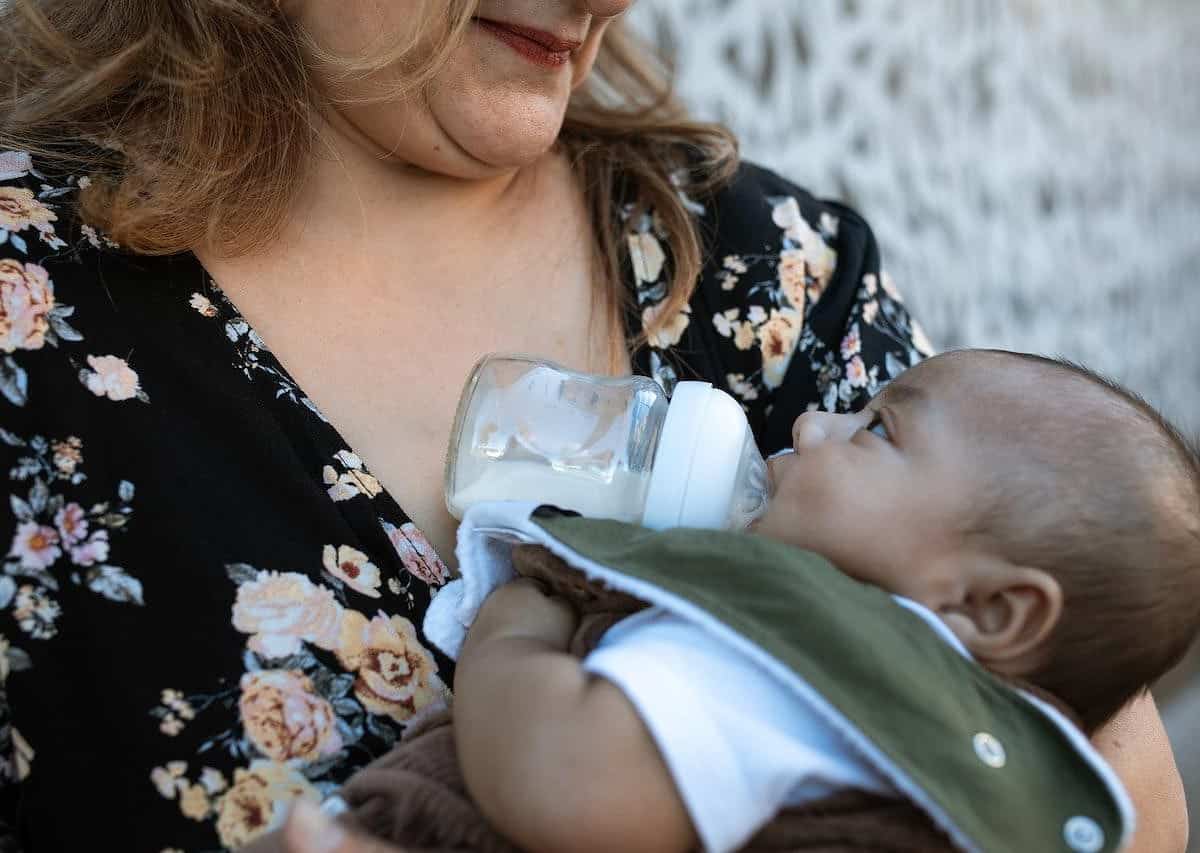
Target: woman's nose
x: 814, y: 428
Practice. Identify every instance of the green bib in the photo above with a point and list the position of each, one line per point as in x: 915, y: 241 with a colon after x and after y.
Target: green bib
x: 996, y: 769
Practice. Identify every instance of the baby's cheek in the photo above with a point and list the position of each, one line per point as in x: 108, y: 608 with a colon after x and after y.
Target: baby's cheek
x: 791, y: 510
x: 809, y: 480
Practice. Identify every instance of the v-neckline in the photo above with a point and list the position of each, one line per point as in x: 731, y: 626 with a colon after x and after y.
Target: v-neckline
x: 237, y: 328
x: 332, y: 444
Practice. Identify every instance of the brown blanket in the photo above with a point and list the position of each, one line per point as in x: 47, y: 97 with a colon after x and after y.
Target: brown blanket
x: 415, y: 796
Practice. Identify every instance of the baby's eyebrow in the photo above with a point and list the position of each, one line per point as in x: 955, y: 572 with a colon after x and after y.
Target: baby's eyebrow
x: 900, y: 393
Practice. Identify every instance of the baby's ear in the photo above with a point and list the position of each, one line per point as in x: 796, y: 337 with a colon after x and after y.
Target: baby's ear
x: 1005, y: 615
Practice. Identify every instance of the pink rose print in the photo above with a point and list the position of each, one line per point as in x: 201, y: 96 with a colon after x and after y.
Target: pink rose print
x: 417, y: 555
x: 35, y: 545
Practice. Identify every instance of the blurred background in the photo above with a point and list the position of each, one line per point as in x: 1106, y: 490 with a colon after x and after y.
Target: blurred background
x: 1031, y: 168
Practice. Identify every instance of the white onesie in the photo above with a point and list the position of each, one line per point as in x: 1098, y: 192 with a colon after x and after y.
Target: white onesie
x: 740, y: 745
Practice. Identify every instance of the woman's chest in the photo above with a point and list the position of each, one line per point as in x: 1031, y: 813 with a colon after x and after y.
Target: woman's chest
x: 386, y: 364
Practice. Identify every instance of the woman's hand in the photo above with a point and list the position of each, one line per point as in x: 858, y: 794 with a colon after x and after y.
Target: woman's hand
x: 522, y: 609
x: 1135, y: 743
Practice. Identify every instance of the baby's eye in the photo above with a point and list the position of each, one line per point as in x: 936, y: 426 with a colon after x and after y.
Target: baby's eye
x: 878, y: 427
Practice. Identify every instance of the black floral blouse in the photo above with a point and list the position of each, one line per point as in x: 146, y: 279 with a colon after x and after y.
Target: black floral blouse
x: 209, y: 606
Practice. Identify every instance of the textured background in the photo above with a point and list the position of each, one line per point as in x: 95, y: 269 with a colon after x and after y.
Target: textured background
x: 1030, y: 167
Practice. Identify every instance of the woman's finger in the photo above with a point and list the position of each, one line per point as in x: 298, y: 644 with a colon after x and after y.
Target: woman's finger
x: 309, y: 830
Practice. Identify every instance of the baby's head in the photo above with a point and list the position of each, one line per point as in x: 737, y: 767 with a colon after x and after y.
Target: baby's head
x: 1051, y: 518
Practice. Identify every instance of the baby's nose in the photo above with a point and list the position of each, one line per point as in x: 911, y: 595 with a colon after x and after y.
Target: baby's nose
x: 814, y: 428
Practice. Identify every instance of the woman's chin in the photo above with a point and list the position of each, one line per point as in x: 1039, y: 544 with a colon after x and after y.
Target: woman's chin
x: 507, y: 131
x: 466, y: 128
x: 498, y: 159
x: 475, y: 164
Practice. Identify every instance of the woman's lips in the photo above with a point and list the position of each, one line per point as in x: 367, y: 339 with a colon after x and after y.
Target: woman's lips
x: 539, y: 47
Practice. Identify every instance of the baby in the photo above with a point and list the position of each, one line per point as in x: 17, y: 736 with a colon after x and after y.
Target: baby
x: 1044, y: 519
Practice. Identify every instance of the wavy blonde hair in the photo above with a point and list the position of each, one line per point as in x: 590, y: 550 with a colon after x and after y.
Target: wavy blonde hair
x: 190, y: 118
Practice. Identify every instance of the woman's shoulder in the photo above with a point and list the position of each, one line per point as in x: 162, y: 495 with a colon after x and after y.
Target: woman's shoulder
x: 774, y: 251
x: 758, y: 208
x: 39, y: 216
x: 755, y: 181
x: 792, y: 309
x: 48, y: 254
x: 55, y: 284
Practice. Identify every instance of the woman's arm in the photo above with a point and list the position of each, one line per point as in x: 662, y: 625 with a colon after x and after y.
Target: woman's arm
x: 556, y: 759
x: 1135, y: 743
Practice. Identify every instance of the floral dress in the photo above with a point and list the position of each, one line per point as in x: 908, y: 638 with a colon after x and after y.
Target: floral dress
x: 209, y: 607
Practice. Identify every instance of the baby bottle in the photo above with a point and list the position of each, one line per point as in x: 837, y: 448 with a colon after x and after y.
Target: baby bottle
x: 530, y: 430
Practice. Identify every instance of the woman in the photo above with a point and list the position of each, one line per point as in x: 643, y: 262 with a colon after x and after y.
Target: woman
x: 209, y: 602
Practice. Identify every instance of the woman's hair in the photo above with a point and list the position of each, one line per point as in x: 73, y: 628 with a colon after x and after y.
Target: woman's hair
x: 190, y: 116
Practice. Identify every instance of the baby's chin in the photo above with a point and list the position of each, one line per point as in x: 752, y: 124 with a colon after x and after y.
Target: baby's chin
x: 772, y: 525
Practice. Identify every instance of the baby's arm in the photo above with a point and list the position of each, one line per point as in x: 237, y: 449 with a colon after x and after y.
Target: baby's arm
x: 557, y: 759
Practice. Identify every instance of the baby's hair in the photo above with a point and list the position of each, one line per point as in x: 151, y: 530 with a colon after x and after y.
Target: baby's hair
x: 1111, y: 509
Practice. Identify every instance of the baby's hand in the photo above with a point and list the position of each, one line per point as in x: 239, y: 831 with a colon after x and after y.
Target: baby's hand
x: 522, y: 609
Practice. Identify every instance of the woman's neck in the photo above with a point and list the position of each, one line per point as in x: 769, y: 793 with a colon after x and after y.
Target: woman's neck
x: 351, y: 174
x: 353, y: 195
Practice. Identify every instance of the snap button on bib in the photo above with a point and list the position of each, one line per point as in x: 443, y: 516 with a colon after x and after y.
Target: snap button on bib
x: 1083, y: 835
x: 990, y: 751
